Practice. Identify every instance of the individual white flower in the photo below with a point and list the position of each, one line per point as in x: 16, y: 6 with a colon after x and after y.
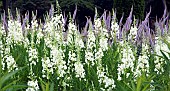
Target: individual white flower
x: 80, y: 72
x: 33, y: 86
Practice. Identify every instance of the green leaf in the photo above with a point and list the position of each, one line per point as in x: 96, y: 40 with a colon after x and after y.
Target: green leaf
x: 7, y: 76
x: 52, y: 87
x: 139, y: 83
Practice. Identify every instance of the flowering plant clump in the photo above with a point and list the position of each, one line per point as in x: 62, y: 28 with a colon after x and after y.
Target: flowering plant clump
x: 106, y: 55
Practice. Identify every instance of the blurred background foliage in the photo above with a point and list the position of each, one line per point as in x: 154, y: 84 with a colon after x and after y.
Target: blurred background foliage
x: 87, y: 7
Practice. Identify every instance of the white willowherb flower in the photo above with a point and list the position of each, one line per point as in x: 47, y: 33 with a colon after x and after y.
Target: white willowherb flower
x: 57, y: 22
x: 15, y: 31
x: 33, y: 55
x: 143, y: 62
x: 33, y: 86
x: 127, y: 61
x: 159, y: 62
x: 72, y: 29
x: 103, y: 43
x: 47, y: 66
x: 89, y: 57
x: 48, y: 42
x: 40, y: 35
x: 72, y: 57
x: 89, y: 52
x: 80, y: 72
x: 115, y: 29
x: 103, y: 79
x: 97, y: 25
x: 58, y: 63
x: 99, y: 54
x: 11, y: 64
x: 78, y: 40
x: 133, y: 32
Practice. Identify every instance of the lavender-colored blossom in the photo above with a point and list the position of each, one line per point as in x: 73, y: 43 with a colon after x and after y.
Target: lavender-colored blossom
x: 51, y: 11
x: 24, y: 23
x: 108, y: 22
x: 128, y: 23
x: 5, y: 22
x: 75, y: 12
x: 120, y: 27
x: 86, y: 27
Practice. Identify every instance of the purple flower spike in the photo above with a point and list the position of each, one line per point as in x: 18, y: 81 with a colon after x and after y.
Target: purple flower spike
x: 86, y: 27
x: 128, y: 21
x: 120, y: 27
x: 5, y: 22
x: 24, y: 22
x: 51, y: 12
x: 65, y: 19
x: 75, y: 12
x: 105, y: 17
x: 108, y: 22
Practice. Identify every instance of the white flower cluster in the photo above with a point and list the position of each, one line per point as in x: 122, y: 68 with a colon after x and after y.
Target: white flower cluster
x: 97, y: 25
x: 72, y: 29
x: 72, y: 57
x: 115, y: 29
x: 89, y: 57
x: 57, y: 21
x: 11, y: 64
x: 103, y: 40
x: 33, y: 86
x: 40, y: 35
x: 159, y: 62
x: 89, y: 53
x: 34, y: 24
x: 133, y: 33
x: 47, y: 66
x: 57, y: 61
x: 103, y: 79
x: 142, y: 64
x: 79, y: 41
x: 127, y: 62
x: 33, y: 55
x: 80, y: 72
x: 99, y: 54
x: 15, y: 31
x: 103, y: 43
